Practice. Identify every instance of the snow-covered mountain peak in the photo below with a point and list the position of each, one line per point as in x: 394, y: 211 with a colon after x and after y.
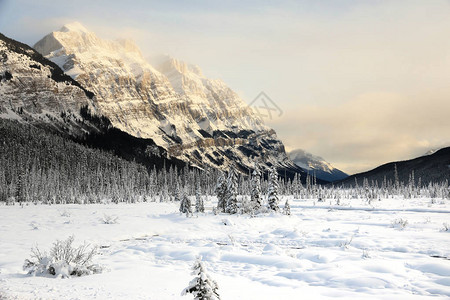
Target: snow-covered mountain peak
x: 75, y: 27
x: 78, y: 52
x: 309, y: 161
x: 75, y: 39
x: 316, y: 165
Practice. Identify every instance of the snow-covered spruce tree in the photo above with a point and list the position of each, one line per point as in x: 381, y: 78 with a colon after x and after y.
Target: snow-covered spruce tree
x: 255, y: 199
x: 177, y: 195
x: 19, y: 193
x: 185, y: 204
x: 295, y: 187
x: 232, y: 187
x: 287, y: 208
x: 202, y: 287
x: 396, y: 180
x: 199, y: 205
x: 221, y: 191
x: 272, y: 198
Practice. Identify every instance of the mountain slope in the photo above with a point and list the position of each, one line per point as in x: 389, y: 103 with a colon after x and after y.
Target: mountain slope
x: 196, y: 119
x: 35, y: 90
x: 316, y: 165
x: 429, y: 168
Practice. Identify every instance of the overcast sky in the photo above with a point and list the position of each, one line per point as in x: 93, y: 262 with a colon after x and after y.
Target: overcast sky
x: 360, y: 83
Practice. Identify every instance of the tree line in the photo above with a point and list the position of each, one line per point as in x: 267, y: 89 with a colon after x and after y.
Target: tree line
x: 43, y: 167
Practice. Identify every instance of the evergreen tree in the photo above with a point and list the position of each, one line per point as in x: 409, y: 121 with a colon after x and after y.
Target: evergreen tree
x: 296, y: 187
x: 308, y: 185
x: 273, y: 190
x: 177, y: 193
x: 185, y: 205
x: 255, y: 199
x: 202, y: 287
x: 287, y: 208
x: 396, y: 180
x: 199, y: 205
x: 221, y: 191
x: 20, y: 194
x: 232, y: 187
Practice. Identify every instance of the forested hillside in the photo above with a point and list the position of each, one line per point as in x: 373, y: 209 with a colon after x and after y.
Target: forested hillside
x: 434, y: 168
x: 40, y: 166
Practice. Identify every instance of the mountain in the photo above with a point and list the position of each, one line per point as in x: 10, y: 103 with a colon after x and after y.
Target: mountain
x: 195, y: 119
x: 429, y: 168
x: 316, y: 165
x: 35, y: 91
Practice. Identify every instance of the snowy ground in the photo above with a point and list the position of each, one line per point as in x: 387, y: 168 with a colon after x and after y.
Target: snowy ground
x: 350, y: 251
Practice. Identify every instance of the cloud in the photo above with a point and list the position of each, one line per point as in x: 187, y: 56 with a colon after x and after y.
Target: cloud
x: 368, y: 130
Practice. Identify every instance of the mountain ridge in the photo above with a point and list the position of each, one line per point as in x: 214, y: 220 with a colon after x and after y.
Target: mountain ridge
x: 429, y: 168
x: 173, y: 103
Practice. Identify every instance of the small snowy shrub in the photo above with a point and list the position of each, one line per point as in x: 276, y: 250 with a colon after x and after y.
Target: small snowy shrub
x: 34, y: 225
x: 227, y: 222
x: 63, y: 260
x: 202, y: 287
x: 247, y: 207
x: 110, y: 219
x: 365, y: 254
x: 347, y: 243
x: 232, y: 239
x: 64, y: 213
x: 399, y: 223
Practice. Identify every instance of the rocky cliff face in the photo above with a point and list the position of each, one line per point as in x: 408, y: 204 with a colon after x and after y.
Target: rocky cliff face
x: 35, y: 90
x: 196, y: 119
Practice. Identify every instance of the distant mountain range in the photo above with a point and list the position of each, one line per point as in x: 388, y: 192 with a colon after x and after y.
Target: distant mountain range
x: 434, y: 167
x: 316, y: 165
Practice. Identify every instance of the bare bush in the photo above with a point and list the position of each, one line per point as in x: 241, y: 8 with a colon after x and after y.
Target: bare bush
x: 63, y: 260
x: 347, y: 243
x: 399, y: 223
x: 64, y: 213
x: 110, y: 219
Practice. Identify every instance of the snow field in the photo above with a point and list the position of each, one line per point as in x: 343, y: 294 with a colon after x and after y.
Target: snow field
x: 319, y: 252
